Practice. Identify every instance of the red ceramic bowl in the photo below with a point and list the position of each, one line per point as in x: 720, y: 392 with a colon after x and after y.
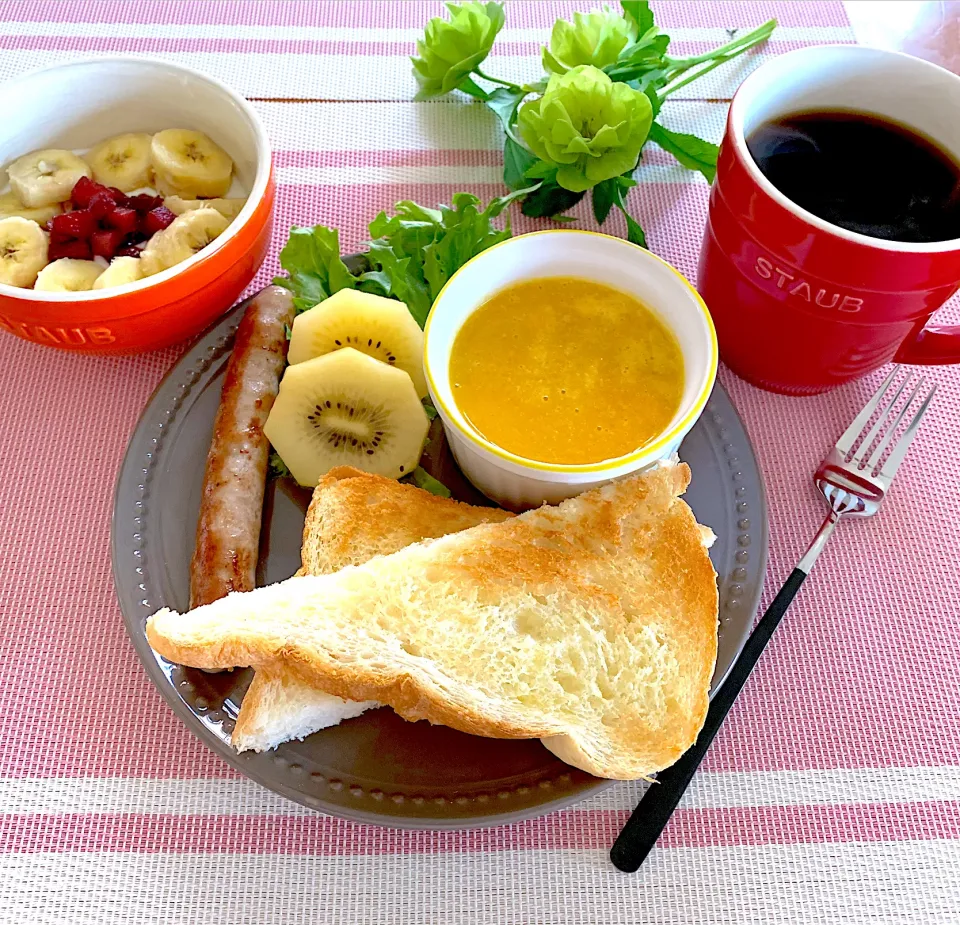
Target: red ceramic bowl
x: 78, y: 104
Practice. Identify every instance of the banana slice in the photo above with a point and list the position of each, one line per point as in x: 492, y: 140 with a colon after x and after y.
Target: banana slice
x: 122, y: 270
x: 42, y: 178
x: 381, y: 328
x: 189, y: 164
x: 23, y: 251
x: 122, y: 161
x: 347, y: 409
x: 10, y: 205
x: 182, y: 238
x: 68, y: 275
x: 228, y: 208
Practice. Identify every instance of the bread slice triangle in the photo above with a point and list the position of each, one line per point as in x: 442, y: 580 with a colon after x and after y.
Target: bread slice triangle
x: 353, y: 516
x: 278, y: 706
x: 591, y: 625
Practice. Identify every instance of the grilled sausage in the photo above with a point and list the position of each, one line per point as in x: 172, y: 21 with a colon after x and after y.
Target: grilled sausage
x: 231, y: 508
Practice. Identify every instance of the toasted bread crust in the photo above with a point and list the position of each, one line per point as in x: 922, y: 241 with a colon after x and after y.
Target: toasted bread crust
x: 626, y: 558
x: 354, y: 516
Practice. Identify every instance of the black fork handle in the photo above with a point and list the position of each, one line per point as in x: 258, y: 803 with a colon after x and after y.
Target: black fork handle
x: 648, y: 820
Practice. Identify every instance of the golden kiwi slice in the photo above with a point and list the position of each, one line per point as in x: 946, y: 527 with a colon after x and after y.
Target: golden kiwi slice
x: 346, y: 409
x: 381, y: 328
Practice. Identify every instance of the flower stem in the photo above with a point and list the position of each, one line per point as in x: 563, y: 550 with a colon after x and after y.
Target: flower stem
x: 715, y: 58
x: 496, y: 80
x: 737, y: 45
x: 690, y: 78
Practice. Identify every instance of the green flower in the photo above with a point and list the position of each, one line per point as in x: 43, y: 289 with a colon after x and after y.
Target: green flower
x: 450, y: 50
x: 591, y: 128
x: 595, y: 38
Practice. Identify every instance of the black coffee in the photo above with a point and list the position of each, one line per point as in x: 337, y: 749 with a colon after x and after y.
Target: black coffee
x: 862, y: 173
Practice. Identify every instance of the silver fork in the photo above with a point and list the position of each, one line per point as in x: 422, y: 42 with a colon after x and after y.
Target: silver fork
x: 853, y: 479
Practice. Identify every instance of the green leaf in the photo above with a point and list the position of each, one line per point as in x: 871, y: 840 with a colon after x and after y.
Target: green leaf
x: 423, y: 479
x: 516, y: 162
x: 432, y: 412
x: 694, y: 153
x: 648, y: 50
x: 415, y: 251
x: 654, y: 98
x: 410, y: 210
x: 610, y: 193
x: 605, y: 196
x: 404, y: 275
x: 549, y: 200
x: 634, y: 232
x: 617, y: 191
x: 375, y: 281
x: 278, y: 468
x: 496, y: 206
x: 541, y: 170
x: 471, y: 88
x: 504, y: 103
x: 563, y: 219
x: 638, y: 12
x: 311, y: 258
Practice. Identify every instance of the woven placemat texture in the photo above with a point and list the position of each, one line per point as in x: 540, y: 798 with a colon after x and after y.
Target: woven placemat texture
x: 832, y: 794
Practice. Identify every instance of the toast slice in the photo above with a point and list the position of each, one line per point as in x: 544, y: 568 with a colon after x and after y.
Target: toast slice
x: 591, y: 625
x: 278, y: 707
x: 353, y: 516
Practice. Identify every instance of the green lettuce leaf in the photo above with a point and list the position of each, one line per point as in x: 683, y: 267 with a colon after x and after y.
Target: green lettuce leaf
x: 311, y: 257
x: 423, y: 479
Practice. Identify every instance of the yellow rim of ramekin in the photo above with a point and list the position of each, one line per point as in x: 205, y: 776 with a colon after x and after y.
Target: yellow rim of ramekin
x: 606, y: 464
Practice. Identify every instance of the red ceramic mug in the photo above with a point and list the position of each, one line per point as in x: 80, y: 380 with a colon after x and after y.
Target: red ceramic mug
x: 801, y: 305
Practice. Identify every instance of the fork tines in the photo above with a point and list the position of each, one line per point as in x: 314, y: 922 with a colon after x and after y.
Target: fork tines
x: 898, y: 396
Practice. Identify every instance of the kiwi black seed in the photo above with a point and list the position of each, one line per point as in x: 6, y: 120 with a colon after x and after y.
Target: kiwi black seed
x: 351, y: 425
x: 376, y: 350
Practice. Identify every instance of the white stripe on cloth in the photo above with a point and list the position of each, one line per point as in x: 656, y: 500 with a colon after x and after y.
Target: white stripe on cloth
x: 710, y: 790
x: 718, y: 36
x: 463, y: 176
x: 271, y: 75
x: 828, y: 884
x: 407, y: 126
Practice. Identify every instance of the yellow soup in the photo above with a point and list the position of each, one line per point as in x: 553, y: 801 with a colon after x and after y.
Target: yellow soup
x: 565, y: 370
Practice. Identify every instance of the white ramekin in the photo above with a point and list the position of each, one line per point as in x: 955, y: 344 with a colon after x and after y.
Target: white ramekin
x: 520, y: 483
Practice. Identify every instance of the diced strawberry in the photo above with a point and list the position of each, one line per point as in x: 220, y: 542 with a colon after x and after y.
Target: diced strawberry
x: 121, y: 219
x: 101, y: 205
x: 83, y: 191
x: 78, y: 250
x: 156, y: 220
x: 129, y: 250
x: 77, y: 224
x: 105, y: 243
x: 143, y: 202
x: 118, y: 196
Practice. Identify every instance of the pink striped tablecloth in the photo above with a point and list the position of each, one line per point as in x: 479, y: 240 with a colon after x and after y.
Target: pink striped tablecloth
x: 831, y: 796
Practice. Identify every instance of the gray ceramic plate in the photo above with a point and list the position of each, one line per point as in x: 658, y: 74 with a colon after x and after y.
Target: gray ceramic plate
x: 378, y: 768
